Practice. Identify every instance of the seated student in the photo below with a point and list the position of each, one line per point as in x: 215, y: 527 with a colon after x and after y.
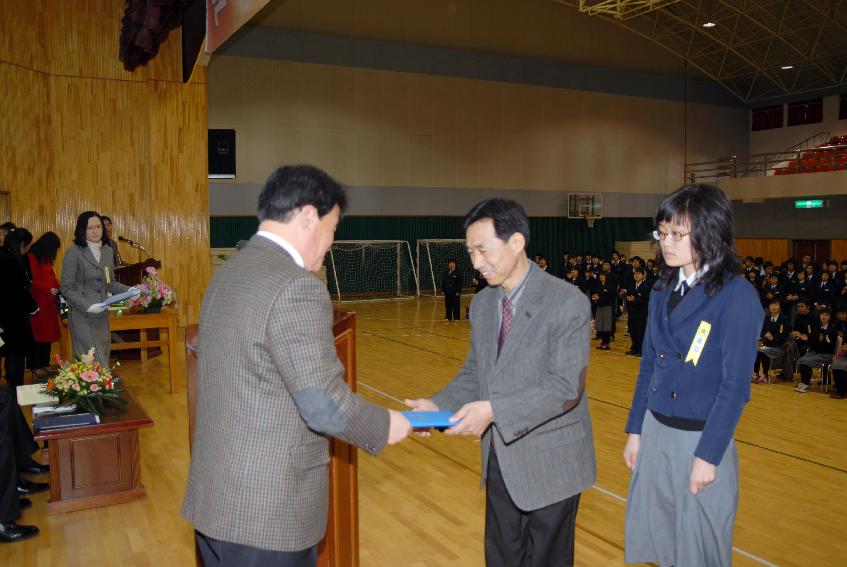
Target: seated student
x: 811, y: 276
x: 772, y: 342
x: 772, y: 291
x: 839, y: 361
x: 821, y: 349
x: 794, y: 290
x: 824, y: 291
x: 749, y: 267
x: 753, y: 277
x: 637, y: 301
x: 789, y: 274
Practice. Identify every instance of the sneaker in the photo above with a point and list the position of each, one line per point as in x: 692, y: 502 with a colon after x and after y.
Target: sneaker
x: 803, y: 388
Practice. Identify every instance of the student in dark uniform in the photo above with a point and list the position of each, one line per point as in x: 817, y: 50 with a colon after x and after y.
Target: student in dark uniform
x: 479, y: 282
x: 603, y: 298
x: 771, y: 343
x: 702, y: 331
x: 772, y: 291
x: 637, y: 299
x: 452, y: 286
x: 839, y: 361
x: 824, y: 291
x: 789, y: 274
x: 822, y: 341
x: 573, y: 278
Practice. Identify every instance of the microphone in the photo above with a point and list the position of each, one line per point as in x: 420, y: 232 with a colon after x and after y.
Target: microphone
x: 127, y: 240
x: 134, y: 244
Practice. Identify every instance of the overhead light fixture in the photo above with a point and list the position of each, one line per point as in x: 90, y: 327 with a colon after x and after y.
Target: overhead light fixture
x: 709, y: 24
x: 787, y: 67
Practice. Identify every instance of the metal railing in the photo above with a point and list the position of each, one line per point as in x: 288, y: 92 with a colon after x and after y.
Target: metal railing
x: 758, y: 165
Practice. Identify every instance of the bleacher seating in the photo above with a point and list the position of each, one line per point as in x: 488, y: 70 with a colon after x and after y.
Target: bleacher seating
x: 831, y: 156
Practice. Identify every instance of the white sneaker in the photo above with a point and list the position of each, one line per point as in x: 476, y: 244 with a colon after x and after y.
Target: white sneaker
x: 803, y: 388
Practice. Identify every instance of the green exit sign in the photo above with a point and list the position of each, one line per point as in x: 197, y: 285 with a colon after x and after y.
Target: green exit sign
x: 809, y: 204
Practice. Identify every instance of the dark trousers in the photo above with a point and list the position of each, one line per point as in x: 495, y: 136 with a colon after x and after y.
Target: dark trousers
x: 637, y: 328
x: 840, y: 377
x: 763, y: 362
x: 217, y: 553
x: 515, y: 538
x: 452, y: 303
x: 10, y: 509
x: 39, y: 356
x: 604, y: 336
x: 15, y: 366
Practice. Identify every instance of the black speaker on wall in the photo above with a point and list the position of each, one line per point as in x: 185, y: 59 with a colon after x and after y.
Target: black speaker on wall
x: 221, y: 154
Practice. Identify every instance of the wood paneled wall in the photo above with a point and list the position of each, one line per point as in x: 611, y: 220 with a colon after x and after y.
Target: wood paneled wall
x: 78, y: 132
x: 774, y: 249
x: 839, y: 250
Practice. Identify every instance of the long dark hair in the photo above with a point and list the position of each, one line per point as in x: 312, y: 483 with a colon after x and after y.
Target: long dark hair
x: 82, y: 226
x: 707, y: 212
x: 15, y: 239
x: 46, y: 247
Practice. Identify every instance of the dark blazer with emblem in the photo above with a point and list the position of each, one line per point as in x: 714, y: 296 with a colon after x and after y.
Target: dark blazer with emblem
x: 270, y: 389
x: 542, y: 429
x: 716, y: 389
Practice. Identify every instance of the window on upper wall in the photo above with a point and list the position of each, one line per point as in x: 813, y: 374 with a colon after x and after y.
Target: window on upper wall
x: 767, y: 118
x: 805, y: 112
x: 842, y: 107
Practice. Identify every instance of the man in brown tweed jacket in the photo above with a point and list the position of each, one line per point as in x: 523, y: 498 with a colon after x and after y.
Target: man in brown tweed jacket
x: 270, y: 387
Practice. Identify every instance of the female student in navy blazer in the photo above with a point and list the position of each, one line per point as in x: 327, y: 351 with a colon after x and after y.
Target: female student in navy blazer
x: 703, y: 324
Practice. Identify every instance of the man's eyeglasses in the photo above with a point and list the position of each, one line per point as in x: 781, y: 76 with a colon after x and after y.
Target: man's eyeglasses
x: 673, y: 235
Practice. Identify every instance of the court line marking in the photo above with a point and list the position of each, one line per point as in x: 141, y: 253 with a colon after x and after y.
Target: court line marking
x: 598, y: 400
x: 600, y: 489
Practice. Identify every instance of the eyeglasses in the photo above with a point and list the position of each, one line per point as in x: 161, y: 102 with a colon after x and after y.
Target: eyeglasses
x: 674, y: 235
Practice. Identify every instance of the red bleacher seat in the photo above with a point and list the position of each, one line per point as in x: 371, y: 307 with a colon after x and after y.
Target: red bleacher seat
x: 777, y: 171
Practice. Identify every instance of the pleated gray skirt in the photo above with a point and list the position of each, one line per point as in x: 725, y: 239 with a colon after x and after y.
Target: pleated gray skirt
x: 665, y: 523
x: 603, y: 319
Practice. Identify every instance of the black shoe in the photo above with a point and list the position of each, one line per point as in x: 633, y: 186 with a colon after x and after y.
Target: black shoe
x: 24, y: 503
x: 10, y: 532
x: 34, y: 468
x: 26, y: 487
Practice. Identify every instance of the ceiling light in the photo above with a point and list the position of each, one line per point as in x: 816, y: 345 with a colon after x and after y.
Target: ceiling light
x: 709, y: 24
x: 787, y: 67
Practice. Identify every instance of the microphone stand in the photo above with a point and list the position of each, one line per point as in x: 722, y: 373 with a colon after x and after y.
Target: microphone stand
x: 134, y: 244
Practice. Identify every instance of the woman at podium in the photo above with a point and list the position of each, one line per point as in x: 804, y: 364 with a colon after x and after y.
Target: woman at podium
x: 88, y: 279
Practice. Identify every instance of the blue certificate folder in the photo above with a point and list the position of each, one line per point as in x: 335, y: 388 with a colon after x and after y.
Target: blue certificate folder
x: 428, y: 419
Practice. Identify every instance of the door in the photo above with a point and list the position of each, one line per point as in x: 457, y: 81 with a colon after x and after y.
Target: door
x: 819, y: 250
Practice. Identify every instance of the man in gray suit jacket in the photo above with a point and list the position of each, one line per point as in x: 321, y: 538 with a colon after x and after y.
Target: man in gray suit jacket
x: 522, y: 389
x: 270, y: 387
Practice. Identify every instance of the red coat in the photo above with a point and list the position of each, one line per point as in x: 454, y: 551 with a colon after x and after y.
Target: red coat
x: 45, y: 323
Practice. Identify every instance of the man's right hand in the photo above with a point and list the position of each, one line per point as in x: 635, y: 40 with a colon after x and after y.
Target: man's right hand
x: 630, y: 451
x: 399, y: 427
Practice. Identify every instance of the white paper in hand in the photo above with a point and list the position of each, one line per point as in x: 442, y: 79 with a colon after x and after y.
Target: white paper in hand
x: 97, y: 308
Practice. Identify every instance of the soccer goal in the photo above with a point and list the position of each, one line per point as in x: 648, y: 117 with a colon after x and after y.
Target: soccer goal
x: 371, y: 269
x: 432, y: 257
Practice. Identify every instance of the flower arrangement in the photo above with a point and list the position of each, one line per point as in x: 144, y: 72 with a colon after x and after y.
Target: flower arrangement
x: 84, y: 383
x: 154, y: 292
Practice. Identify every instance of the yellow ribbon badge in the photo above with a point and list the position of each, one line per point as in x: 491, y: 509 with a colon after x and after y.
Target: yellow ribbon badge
x: 699, y: 342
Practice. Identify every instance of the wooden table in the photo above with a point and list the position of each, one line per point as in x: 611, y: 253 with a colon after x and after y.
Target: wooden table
x: 97, y: 465
x: 165, y: 321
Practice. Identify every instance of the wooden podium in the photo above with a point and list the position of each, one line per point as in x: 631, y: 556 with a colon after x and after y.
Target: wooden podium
x: 134, y: 273
x: 340, y: 546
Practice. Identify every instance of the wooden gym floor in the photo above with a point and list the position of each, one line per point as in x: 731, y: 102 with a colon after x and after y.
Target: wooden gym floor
x: 419, y: 502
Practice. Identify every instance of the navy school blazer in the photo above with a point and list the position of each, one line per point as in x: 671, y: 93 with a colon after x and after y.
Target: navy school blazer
x: 717, y: 387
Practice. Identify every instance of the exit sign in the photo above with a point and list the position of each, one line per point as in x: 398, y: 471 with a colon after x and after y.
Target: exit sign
x: 809, y: 204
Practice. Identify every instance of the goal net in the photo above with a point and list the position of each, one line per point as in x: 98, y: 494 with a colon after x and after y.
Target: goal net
x: 370, y: 269
x: 433, y: 254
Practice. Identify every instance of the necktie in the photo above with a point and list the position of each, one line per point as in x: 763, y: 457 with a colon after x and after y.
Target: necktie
x: 684, y: 289
x: 505, y: 325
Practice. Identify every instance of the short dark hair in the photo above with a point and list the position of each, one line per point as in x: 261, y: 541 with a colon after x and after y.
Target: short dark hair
x: 82, y: 226
x: 639, y: 271
x: 46, y: 247
x: 15, y: 239
x: 508, y: 217
x: 292, y: 187
x: 774, y: 300
x: 707, y: 212
x: 105, y: 218
x: 7, y: 226
x: 804, y: 300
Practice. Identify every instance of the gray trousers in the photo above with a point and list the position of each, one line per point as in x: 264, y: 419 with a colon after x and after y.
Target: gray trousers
x: 665, y: 523
x: 90, y: 330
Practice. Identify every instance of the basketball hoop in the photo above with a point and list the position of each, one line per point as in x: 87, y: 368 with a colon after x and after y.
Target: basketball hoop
x: 590, y: 220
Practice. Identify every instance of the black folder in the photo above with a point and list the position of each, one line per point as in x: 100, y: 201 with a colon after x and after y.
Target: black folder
x: 49, y: 422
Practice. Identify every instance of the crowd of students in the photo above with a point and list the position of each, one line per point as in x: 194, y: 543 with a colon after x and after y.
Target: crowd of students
x: 805, y: 304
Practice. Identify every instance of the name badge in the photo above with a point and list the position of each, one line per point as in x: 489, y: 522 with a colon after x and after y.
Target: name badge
x: 108, y: 279
x: 699, y: 342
